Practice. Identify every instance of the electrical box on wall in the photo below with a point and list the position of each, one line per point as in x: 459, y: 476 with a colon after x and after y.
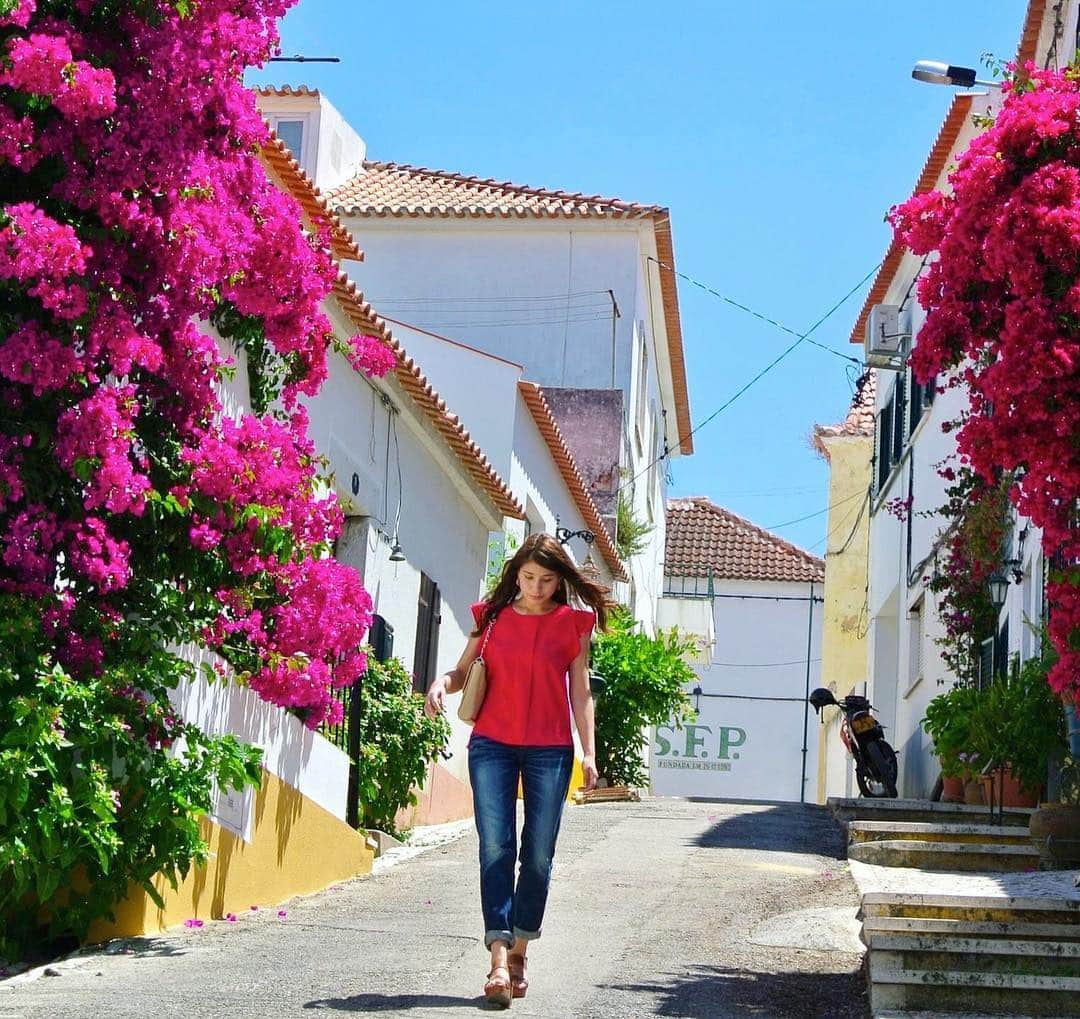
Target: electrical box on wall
x: 884, y: 345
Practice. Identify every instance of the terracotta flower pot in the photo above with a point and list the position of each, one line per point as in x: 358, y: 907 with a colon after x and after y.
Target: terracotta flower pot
x: 1055, y: 831
x: 1001, y: 788
x: 952, y: 790
x: 973, y: 793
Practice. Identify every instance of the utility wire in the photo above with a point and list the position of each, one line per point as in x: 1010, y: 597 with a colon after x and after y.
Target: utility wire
x: 760, y: 375
x: 854, y: 528
x: 755, y: 314
x: 810, y: 516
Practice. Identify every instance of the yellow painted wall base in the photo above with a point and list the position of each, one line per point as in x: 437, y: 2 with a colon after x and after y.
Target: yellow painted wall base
x: 297, y: 848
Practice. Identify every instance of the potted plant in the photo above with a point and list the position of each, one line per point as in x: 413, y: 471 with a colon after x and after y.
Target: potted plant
x: 1017, y: 726
x: 1055, y: 827
x: 948, y: 724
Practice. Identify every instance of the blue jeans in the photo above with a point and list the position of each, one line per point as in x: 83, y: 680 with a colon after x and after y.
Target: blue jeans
x: 494, y: 769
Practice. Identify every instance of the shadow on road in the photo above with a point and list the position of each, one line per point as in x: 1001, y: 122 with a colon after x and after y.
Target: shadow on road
x: 715, y: 992
x: 396, y: 1002
x: 780, y: 827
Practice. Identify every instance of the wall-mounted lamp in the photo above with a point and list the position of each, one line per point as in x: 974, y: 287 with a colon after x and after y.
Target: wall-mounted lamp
x: 1016, y: 566
x: 697, y: 698
x: 565, y: 534
x: 935, y: 72
x: 999, y: 589
x: 396, y: 555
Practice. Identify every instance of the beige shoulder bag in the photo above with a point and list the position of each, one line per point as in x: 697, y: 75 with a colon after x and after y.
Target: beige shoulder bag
x: 472, y: 693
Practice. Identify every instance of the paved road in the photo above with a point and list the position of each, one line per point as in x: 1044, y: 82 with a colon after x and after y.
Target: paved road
x: 660, y: 908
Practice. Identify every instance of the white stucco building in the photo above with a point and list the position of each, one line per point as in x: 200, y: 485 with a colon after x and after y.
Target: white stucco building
x: 905, y: 667
x: 760, y: 597
x: 574, y: 294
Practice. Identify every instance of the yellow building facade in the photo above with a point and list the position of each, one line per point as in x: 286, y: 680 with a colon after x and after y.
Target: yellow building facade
x: 848, y: 449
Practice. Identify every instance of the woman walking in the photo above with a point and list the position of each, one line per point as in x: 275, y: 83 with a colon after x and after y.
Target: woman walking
x: 533, y: 639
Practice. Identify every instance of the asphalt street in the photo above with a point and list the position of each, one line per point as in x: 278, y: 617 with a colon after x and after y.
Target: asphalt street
x: 660, y: 908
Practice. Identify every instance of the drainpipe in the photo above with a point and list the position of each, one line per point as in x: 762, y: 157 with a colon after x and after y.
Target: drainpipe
x: 806, y: 699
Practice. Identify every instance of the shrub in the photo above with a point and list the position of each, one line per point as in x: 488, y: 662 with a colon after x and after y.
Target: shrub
x: 101, y: 786
x: 644, y: 685
x: 397, y: 742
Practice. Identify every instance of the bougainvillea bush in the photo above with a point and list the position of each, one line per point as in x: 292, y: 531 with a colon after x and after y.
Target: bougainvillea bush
x: 1003, y: 301
x: 135, y: 221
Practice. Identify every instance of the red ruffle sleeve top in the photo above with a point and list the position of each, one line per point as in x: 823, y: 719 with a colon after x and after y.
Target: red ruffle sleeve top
x: 527, y: 658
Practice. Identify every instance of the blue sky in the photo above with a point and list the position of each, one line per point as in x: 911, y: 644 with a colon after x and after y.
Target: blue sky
x: 778, y: 134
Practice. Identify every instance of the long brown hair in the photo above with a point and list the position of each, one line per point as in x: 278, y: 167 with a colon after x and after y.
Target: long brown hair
x: 545, y: 551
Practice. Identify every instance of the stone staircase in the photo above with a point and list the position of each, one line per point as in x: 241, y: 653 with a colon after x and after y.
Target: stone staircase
x: 967, y: 955
x: 954, y: 954
x: 943, y: 846
x: 936, y: 836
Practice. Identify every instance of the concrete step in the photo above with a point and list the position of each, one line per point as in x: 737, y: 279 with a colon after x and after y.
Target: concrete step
x: 984, y: 857
x: 861, y: 809
x: 933, y: 952
x: 972, y: 908
x: 874, y: 927
x: 1001, y: 834
x: 961, y: 992
x: 891, y: 1013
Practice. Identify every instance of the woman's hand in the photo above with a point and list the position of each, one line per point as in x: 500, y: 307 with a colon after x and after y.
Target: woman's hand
x: 435, y: 702
x: 589, y: 772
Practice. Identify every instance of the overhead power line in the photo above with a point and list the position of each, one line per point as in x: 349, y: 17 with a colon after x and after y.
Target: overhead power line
x: 755, y: 314
x: 817, y: 513
x: 761, y: 374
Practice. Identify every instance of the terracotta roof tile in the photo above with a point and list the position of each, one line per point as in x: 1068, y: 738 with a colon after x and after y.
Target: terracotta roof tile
x: 703, y: 537
x: 415, y: 383
x: 860, y: 416
x: 277, y: 155
x: 564, y: 460
x: 1029, y: 34
x: 286, y: 90
x: 408, y: 374
x: 397, y: 190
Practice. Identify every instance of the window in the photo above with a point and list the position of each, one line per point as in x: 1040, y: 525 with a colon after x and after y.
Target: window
x: 1001, y: 652
x: 915, y: 645
x: 658, y: 449
x: 919, y: 401
x: 985, y: 669
x: 291, y: 132
x: 641, y: 389
x: 428, y: 618
x: 884, y: 445
x: 899, y: 393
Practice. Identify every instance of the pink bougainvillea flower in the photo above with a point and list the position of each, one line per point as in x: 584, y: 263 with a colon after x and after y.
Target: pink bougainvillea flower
x: 193, y: 923
x: 231, y: 917
x: 281, y: 914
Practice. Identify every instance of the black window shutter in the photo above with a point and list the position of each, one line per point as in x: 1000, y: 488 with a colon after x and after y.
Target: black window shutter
x: 433, y: 635
x: 986, y: 663
x: 898, y: 418
x: 915, y: 405
x: 884, y: 445
x: 1001, y: 652
x: 422, y: 647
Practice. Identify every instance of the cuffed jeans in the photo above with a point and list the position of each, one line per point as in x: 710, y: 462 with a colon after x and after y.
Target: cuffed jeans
x: 494, y: 769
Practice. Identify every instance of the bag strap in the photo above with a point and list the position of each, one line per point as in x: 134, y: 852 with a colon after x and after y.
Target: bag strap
x: 487, y: 636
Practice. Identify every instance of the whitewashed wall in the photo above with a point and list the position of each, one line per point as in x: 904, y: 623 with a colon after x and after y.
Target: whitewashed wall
x: 744, y: 746
x: 429, y: 273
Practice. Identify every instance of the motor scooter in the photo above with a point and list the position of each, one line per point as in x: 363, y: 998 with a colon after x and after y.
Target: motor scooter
x: 862, y: 734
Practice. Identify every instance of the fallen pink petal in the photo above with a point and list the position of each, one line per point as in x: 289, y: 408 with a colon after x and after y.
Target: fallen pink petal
x: 231, y: 917
x: 193, y: 923
x: 281, y: 914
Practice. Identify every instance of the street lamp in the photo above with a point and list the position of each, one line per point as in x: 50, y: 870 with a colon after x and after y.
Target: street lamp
x: 936, y: 73
x: 999, y: 589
